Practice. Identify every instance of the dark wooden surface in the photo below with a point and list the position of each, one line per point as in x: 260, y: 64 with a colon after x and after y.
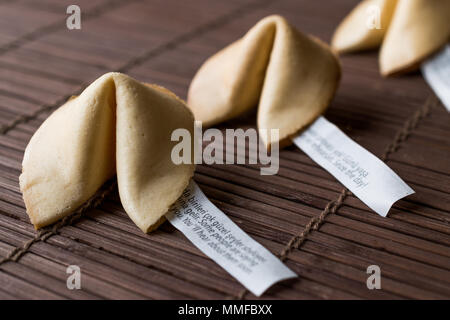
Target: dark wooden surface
x: 164, y: 42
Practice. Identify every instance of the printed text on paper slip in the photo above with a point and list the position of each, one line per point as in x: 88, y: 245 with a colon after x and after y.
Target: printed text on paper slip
x: 370, y: 179
x: 436, y: 72
x: 219, y: 238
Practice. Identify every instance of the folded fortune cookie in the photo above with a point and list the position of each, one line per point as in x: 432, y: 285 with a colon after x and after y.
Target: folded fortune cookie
x: 117, y: 125
x: 411, y: 30
x: 292, y: 76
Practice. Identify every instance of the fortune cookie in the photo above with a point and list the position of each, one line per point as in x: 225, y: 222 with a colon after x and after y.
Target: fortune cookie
x: 411, y: 31
x: 292, y: 77
x: 116, y: 126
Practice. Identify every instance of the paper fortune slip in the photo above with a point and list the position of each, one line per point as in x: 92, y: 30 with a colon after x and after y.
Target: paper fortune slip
x: 436, y: 72
x: 369, y: 178
x: 210, y: 230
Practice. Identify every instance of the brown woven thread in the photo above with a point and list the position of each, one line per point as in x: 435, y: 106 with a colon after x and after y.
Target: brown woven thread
x: 409, y: 126
x: 188, y: 36
x: 44, y: 234
x: 314, y: 224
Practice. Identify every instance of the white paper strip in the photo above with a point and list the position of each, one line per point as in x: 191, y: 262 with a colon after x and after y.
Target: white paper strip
x: 370, y: 179
x: 210, y: 230
x: 436, y: 72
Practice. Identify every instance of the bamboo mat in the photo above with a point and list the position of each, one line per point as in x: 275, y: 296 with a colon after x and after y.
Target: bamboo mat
x: 327, y: 236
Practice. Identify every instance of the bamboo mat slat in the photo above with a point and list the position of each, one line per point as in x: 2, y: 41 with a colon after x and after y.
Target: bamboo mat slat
x: 164, y: 42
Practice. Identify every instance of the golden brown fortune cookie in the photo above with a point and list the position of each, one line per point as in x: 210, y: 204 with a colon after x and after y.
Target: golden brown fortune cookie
x: 116, y: 126
x: 292, y: 77
x: 411, y: 30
